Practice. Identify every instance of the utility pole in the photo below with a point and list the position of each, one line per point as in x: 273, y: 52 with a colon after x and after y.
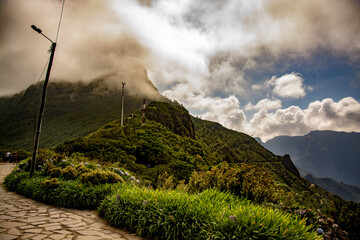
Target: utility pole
x: 143, y: 112
x: 122, y: 103
x: 43, y: 99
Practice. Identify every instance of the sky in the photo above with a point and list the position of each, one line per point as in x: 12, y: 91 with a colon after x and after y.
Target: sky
x: 266, y: 68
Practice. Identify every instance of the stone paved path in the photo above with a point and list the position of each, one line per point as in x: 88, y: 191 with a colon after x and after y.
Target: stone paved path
x: 23, y: 218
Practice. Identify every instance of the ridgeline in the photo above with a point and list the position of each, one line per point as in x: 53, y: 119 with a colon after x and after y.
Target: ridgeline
x: 173, y: 150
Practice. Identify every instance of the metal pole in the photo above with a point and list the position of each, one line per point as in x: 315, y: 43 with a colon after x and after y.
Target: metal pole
x: 41, y: 114
x: 143, y: 112
x: 34, y: 133
x: 122, y: 103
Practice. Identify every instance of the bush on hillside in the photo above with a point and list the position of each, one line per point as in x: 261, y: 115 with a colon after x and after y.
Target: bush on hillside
x: 71, y: 194
x: 82, y: 169
x: 159, y: 214
x: 70, y: 173
x: 100, y: 177
x: 54, y: 172
x: 251, y: 181
x: 52, y: 183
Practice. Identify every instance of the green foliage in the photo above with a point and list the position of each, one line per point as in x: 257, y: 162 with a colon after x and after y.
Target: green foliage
x: 175, y: 117
x: 14, y: 178
x: 164, y: 158
x: 82, y: 169
x: 166, y: 182
x: 231, y: 146
x: 58, y: 192
x: 74, y: 194
x: 211, y: 215
x: 72, y: 110
x: 145, y: 150
x: 54, y: 172
x: 251, y: 181
x: 52, y: 183
x: 70, y: 173
x: 100, y: 177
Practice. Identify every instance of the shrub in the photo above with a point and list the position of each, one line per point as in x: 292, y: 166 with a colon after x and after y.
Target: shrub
x: 12, y: 180
x: 157, y: 214
x: 90, y: 166
x: 100, y: 177
x: 70, y: 173
x: 253, y: 182
x: 55, y: 172
x: 82, y: 169
x: 166, y: 182
x: 50, y: 184
x: 64, y: 163
x: 72, y: 194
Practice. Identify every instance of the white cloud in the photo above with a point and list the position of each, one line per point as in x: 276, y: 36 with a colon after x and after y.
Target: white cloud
x: 343, y: 115
x: 256, y: 87
x: 338, y: 116
x: 225, y: 111
x: 265, y: 104
x: 320, y: 115
x: 185, y: 36
x: 179, y: 51
x: 288, y: 86
x: 180, y: 37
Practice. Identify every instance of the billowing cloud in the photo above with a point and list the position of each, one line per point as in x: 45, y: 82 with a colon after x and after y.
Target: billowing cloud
x: 217, y: 42
x: 320, y: 115
x: 288, y: 86
x: 265, y: 104
x: 338, y: 116
x: 290, y: 121
x: 225, y: 111
x: 212, y: 43
x: 93, y: 42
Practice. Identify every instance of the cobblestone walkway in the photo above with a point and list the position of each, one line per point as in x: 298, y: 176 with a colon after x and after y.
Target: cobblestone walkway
x: 23, y: 218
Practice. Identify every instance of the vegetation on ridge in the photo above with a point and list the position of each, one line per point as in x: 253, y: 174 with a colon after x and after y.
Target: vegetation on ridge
x: 216, y: 158
x: 155, y: 214
x: 72, y: 110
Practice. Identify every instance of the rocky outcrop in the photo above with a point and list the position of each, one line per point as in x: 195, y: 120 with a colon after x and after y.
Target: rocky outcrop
x: 289, y: 165
x: 175, y: 117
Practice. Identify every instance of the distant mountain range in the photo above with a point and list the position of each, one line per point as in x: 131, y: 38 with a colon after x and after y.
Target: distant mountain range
x: 347, y: 192
x: 325, y: 154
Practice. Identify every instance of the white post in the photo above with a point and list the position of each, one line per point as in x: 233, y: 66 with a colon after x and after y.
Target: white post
x: 122, y: 103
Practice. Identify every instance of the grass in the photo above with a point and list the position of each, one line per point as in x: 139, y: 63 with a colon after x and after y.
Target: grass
x: 159, y: 214
x: 172, y: 214
x: 70, y: 194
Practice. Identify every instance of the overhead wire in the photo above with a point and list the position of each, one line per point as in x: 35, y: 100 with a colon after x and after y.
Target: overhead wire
x: 61, y: 14
x: 33, y: 92
x: 42, y: 73
x: 47, y: 62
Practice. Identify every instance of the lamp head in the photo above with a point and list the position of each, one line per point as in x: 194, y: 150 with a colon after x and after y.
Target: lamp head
x: 36, y: 29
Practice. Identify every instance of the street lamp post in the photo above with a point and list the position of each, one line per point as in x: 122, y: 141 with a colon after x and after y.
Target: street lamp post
x: 43, y: 99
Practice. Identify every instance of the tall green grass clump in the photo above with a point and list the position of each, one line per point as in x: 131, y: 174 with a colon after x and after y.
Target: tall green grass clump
x: 211, y: 214
x: 58, y: 191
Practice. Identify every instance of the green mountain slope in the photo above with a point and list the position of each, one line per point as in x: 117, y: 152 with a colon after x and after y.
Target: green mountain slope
x: 171, y: 141
x: 172, y: 148
x: 215, y: 157
x: 72, y: 109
